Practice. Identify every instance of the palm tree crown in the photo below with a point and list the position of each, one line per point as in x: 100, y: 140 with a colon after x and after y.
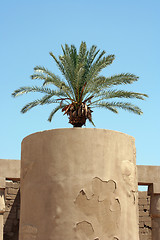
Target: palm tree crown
x: 83, y: 88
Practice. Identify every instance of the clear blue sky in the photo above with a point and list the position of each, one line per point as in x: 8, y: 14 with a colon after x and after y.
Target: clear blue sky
x: 128, y: 29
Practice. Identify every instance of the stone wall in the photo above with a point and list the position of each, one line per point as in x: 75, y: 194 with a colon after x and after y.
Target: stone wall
x: 144, y: 217
x: 11, y: 216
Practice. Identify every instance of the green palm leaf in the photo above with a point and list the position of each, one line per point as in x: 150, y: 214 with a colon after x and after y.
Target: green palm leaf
x: 118, y: 94
x: 35, y: 103
x: 107, y: 82
x: 54, y: 111
x: 26, y: 90
x: 125, y: 106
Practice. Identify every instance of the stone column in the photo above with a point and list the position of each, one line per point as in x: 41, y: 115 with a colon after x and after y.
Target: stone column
x: 2, y: 205
x: 79, y: 184
x: 154, y: 192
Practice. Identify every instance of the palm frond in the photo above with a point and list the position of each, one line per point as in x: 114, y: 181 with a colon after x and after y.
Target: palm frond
x: 29, y: 106
x: 82, y: 52
x: 100, y: 56
x: 125, y: 106
x: 59, y: 64
x: 63, y: 70
x: 96, y: 68
x: 69, y: 68
x: 45, y: 74
x: 108, y: 106
x: 42, y: 101
x: 69, y: 65
x: 120, y: 94
x: 26, y: 90
x: 73, y: 55
x: 50, y: 80
x: 107, y: 82
x: 90, y: 120
x: 38, y: 76
x: 54, y: 111
x: 119, y: 79
x: 92, y: 55
x: 63, y: 49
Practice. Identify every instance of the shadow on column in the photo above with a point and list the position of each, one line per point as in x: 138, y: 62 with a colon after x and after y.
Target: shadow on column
x: 11, y: 218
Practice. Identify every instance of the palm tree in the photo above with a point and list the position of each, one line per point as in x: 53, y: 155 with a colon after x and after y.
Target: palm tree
x: 83, y: 88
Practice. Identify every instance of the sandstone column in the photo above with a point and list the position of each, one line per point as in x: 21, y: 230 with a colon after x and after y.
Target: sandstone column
x: 154, y: 192
x: 78, y: 184
x: 2, y: 205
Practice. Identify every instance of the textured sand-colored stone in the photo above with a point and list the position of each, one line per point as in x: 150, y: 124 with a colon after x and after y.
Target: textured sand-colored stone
x: 2, y: 205
x: 79, y: 184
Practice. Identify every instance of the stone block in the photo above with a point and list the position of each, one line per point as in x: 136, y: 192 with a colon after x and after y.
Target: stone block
x: 143, y: 201
x: 142, y: 195
x: 2, y: 203
x: 9, y: 184
x: 11, y: 197
x: 148, y: 174
x: 1, y: 226
x: 12, y: 191
x: 2, y: 183
x: 5, y: 215
x: 146, y: 206
x: 141, y: 207
x: 141, y: 224
x: 144, y: 218
x: 156, y: 188
x: 10, y: 168
x: 9, y: 202
x: 148, y: 224
x: 144, y: 237
x: 8, y: 208
x: 143, y: 213
x: 12, y: 184
x: 155, y: 206
x: 8, y: 197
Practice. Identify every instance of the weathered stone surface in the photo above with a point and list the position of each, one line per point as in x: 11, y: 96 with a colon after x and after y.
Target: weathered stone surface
x: 2, y: 182
x: 12, y: 191
x: 29, y: 232
x: 12, y: 206
x: 145, y: 229
x: 10, y: 168
x: 155, y: 206
x: 156, y: 228
x: 148, y: 174
x: 1, y: 226
x: 79, y: 184
x: 2, y: 203
x: 155, y: 214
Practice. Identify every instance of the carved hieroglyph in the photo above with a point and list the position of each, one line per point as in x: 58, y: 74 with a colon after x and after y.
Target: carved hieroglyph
x: 78, y: 184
